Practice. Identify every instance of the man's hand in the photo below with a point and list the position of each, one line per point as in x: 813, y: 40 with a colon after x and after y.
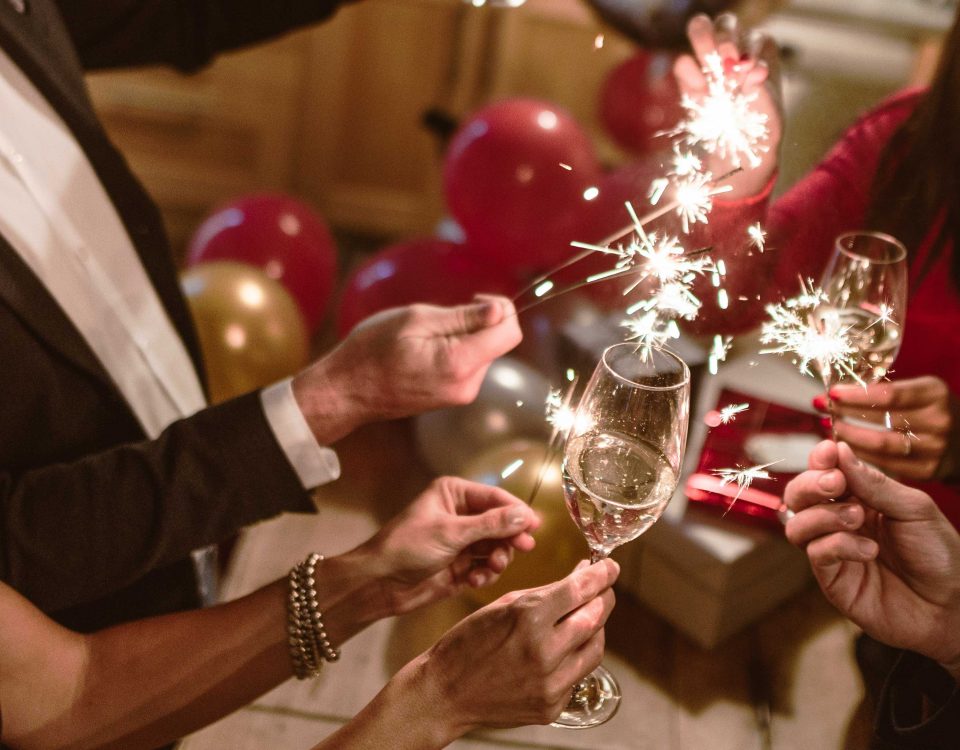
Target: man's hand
x: 455, y: 534
x: 405, y: 361
x: 922, y: 442
x: 888, y: 558
x: 753, y: 61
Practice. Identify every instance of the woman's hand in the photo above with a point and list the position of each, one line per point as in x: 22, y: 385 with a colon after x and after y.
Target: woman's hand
x: 752, y: 60
x: 917, y: 440
x: 455, y: 534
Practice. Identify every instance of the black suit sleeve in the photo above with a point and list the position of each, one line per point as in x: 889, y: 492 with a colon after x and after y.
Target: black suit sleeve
x: 76, y: 531
x: 184, y: 33
x: 919, y: 707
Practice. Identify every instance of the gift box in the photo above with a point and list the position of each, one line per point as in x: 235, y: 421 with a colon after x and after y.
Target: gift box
x: 708, y: 573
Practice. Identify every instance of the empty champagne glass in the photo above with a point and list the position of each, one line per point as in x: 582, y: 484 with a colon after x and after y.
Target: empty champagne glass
x: 621, y: 467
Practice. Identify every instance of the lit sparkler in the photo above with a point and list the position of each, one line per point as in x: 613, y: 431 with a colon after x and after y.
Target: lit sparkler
x: 799, y: 326
x: 744, y: 477
x: 723, y: 121
x: 730, y: 413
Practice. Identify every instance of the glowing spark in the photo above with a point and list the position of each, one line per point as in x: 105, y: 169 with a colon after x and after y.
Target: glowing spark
x: 571, y: 375
x: 561, y: 415
x: 884, y: 315
x: 685, y: 163
x: 744, y: 477
x: 723, y: 301
x: 723, y: 122
x: 799, y: 326
x: 541, y: 290
x: 719, y: 351
x: 511, y: 468
x: 757, y: 236
x: 598, y: 41
x: 591, y: 193
x: 729, y: 413
x: 657, y: 188
x: 566, y: 167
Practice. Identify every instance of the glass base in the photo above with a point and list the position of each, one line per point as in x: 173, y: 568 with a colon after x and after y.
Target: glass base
x: 595, y: 700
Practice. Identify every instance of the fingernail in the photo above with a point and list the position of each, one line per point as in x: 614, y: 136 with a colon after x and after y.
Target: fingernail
x: 826, y: 423
x: 820, y: 403
x: 867, y: 547
x: 516, y: 519
x: 854, y: 461
x: 848, y: 515
x: 834, y: 394
x: 829, y: 482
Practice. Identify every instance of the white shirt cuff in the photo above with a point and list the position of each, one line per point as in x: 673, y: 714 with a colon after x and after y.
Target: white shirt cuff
x: 313, y: 463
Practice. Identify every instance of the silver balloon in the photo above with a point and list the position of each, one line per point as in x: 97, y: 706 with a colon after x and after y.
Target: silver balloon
x: 511, y: 403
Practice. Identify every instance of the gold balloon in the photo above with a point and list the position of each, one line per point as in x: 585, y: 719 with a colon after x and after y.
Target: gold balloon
x: 560, y: 545
x: 251, y: 331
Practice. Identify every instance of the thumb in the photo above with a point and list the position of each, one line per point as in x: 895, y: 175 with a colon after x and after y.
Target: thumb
x: 497, y: 523
x: 878, y: 491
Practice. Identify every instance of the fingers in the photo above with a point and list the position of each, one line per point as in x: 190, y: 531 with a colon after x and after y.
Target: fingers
x: 913, y: 468
x: 578, y: 588
x: 814, y: 487
x: 913, y: 393
x: 584, y: 622
x: 499, y: 523
x: 887, y: 442
x: 828, y: 552
x: 823, y: 519
x: 878, y: 491
x: 701, y: 35
x: 823, y: 456
x: 689, y: 75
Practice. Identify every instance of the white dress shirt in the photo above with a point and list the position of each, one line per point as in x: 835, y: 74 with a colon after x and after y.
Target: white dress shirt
x: 57, y: 215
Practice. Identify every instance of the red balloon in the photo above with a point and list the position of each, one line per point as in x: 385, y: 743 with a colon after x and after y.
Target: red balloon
x: 515, y: 178
x: 420, y: 270
x: 280, y: 235
x: 639, y: 99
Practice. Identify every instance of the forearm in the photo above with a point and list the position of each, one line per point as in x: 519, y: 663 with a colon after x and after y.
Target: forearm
x: 406, y: 715
x: 73, y: 532
x: 145, y: 683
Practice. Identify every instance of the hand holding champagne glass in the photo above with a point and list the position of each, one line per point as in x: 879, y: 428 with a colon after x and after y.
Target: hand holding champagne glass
x: 621, y: 467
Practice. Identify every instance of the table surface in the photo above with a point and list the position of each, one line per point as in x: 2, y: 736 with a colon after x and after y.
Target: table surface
x: 788, y: 682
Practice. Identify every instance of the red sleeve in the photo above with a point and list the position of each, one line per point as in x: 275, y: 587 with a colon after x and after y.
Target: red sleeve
x: 800, y: 226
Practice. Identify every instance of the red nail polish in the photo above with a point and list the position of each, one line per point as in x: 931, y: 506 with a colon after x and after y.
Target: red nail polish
x: 834, y: 395
x: 826, y: 423
x: 820, y: 403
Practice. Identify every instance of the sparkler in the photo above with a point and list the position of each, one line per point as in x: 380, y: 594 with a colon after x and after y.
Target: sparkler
x: 723, y: 121
x: 744, y: 477
x: 729, y: 413
x: 563, y: 418
x: 798, y: 327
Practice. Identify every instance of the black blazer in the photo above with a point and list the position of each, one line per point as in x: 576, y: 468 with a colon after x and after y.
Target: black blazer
x: 919, y: 707
x: 96, y: 522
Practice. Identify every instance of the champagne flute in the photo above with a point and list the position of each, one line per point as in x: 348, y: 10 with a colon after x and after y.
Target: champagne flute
x: 621, y: 466
x: 865, y: 284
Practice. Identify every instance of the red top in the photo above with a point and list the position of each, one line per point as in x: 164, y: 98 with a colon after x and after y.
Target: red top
x: 802, y: 226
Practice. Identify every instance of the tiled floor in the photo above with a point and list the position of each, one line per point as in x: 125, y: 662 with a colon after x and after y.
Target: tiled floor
x: 787, y: 683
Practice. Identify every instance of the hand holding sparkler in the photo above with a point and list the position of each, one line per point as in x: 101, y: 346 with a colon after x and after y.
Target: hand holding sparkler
x: 732, y: 94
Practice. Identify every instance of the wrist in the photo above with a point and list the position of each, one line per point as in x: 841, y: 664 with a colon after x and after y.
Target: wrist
x: 422, y: 684
x: 323, y: 400
x: 348, y: 594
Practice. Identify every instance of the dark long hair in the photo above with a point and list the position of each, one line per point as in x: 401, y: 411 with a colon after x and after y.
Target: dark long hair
x: 917, y: 187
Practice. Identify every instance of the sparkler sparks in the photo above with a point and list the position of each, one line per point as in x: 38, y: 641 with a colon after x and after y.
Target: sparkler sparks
x: 757, y: 236
x: 744, y: 477
x: 718, y: 352
x: 730, y: 413
x: 801, y: 327
x: 723, y: 122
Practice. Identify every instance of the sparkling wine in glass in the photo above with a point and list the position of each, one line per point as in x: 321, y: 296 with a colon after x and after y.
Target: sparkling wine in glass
x: 866, y: 288
x: 621, y: 466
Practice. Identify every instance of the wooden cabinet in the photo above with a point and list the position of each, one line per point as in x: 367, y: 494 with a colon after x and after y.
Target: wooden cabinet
x: 335, y: 114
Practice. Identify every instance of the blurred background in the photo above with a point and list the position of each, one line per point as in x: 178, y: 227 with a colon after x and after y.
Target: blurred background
x: 351, y: 116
